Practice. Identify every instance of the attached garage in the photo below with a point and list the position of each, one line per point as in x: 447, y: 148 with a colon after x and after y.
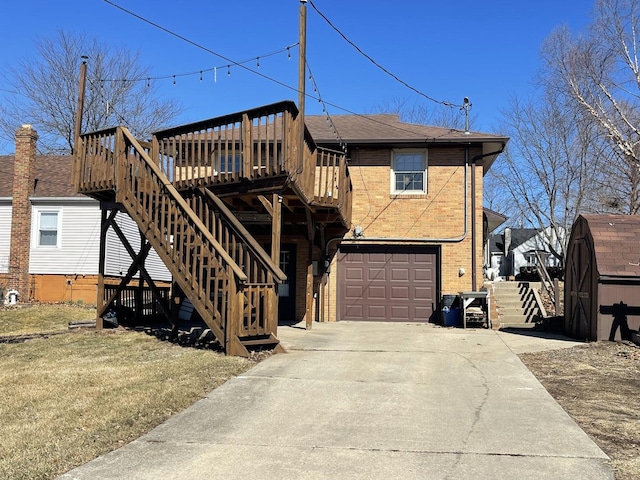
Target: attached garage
x: 387, y: 283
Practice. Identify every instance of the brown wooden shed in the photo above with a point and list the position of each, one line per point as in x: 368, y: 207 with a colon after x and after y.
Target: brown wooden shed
x: 602, y: 280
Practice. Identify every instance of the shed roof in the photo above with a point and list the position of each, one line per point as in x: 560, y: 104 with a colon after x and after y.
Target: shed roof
x: 53, y: 176
x: 616, y: 245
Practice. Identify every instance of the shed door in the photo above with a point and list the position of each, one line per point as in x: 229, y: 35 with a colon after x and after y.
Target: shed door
x: 387, y: 284
x: 579, y: 318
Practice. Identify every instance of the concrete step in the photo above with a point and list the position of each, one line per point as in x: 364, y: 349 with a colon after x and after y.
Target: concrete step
x: 518, y: 310
x: 523, y: 326
x: 514, y: 318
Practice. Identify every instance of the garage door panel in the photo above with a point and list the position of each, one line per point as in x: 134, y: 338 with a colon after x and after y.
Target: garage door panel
x: 399, y: 313
x: 377, y: 258
x: 354, y: 273
x: 374, y: 274
x: 400, y: 293
x: 400, y: 258
x: 400, y: 274
x: 376, y: 312
x: 387, y: 285
x: 353, y: 292
x: 425, y: 258
x: 422, y: 274
x: 377, y: 293
x: 422, y: 292
x: 354, y: 311
x: 422, y: 313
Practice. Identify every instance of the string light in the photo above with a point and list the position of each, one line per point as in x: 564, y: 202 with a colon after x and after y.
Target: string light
x: 201, y: 72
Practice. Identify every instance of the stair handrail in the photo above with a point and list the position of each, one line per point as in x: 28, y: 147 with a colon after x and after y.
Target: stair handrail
x: 240, y: 275
x: 240, y: 229
x: 544, y: 276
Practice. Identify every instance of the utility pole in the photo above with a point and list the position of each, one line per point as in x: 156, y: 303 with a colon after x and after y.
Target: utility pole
x: 302, y: 62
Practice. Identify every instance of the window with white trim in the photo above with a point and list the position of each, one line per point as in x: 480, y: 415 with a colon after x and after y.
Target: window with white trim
x: 48, y: 229
x: 409, y: 171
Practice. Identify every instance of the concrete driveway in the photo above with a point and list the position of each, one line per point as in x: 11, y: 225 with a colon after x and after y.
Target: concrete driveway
x: 371, y: 401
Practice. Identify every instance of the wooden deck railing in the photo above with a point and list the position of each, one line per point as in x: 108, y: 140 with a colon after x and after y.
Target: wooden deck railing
x: 200, y: 264
x: 252, y: 145
x: 259, y: 289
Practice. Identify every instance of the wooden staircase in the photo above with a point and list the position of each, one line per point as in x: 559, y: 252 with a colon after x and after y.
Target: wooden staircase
x: 172, y: 189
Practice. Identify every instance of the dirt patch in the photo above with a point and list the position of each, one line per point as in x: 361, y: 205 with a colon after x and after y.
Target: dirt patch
x: 598, y: 384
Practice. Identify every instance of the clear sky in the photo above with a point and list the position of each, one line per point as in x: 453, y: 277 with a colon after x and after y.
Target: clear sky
x: 484, y: 50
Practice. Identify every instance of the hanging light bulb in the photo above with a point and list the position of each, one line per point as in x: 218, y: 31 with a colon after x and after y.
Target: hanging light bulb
x: 200, y: 75
x: 228, y: 70
x: 258, y: 62
x: 174, y: 79
x: 289, y: 53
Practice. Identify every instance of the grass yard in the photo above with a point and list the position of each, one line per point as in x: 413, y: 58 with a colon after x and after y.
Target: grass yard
x: 69, y: 398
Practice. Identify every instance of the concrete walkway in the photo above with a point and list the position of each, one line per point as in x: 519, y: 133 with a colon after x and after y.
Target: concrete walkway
x: 371, y: 401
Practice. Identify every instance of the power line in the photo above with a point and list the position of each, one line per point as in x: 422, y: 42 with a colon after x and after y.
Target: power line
x: 368, y: 57
x: 260, y: 74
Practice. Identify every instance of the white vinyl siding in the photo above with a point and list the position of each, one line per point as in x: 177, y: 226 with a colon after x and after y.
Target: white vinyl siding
x: 118, y: 259
x: 77, y: 238
x: 5, y: 237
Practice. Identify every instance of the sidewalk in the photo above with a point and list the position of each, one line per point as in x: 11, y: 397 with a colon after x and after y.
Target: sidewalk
x: 374, y: 401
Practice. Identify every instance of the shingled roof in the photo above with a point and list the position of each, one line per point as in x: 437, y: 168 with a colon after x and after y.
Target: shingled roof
x: 386, y: 128
x: 53, y: 176
x: 615, y: 239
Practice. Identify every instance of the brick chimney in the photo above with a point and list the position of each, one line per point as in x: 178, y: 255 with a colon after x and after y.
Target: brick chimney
x: 23, y: 185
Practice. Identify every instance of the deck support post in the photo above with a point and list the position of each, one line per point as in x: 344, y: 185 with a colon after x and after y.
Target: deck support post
x: 104, y: 226
x: 308, y: 312
x: 276, y: 237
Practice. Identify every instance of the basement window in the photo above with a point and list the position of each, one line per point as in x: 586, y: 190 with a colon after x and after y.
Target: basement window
x: 409, y: 171
x: 48, y: 229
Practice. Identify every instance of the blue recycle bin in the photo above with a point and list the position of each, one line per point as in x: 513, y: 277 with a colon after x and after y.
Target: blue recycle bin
x: 452, y: 317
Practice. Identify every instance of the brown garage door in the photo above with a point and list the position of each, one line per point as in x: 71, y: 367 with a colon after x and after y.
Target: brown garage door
x: 387, y: 284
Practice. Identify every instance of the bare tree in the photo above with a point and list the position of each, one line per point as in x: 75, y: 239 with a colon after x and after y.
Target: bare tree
x: 46, y: 92
x: 600, y: 73
x: 548, y: 167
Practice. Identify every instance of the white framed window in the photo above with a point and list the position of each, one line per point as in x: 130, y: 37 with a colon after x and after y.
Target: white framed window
x: 48, y: 228
x: 409, y: 171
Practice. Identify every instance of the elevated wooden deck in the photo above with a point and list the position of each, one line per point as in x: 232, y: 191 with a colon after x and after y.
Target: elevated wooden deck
x: 194, y: 189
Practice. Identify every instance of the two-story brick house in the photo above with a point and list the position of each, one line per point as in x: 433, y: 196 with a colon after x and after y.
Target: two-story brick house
x: 266, y: 215
x: 417, y: 229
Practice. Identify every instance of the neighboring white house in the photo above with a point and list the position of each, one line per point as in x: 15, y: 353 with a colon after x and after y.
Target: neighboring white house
x: 64, y: 243
x: 516, y: 248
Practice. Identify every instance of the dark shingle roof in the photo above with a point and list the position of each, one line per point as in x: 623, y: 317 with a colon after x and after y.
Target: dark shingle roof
x: 385, y: 128
x: 615, y: 239
x: 53, y: 175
